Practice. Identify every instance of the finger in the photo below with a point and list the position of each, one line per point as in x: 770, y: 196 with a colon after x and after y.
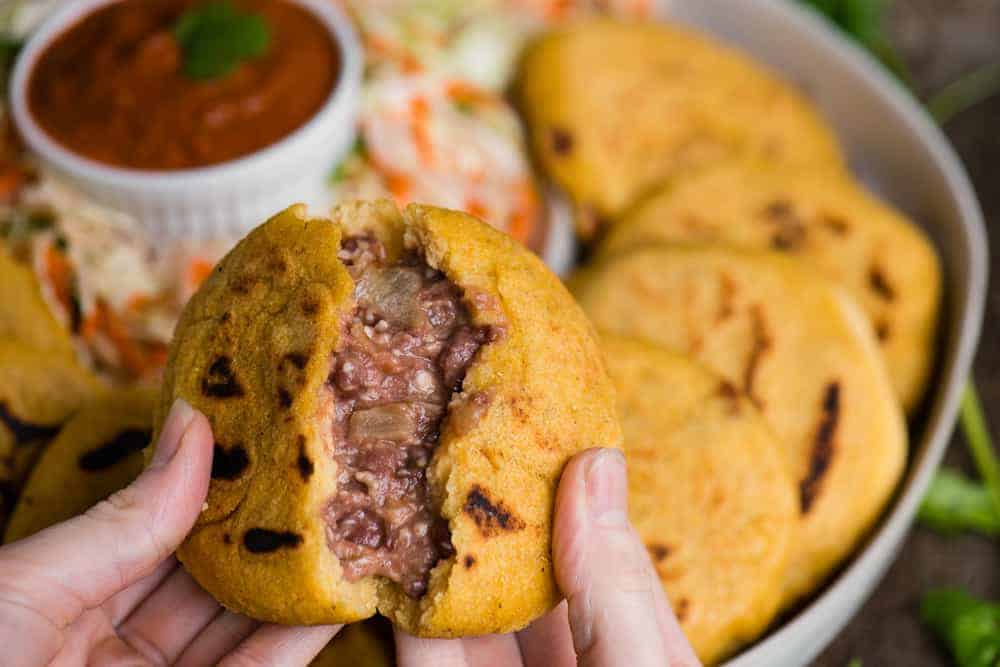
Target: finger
x: 50, y: 578
x: 120, y: 605
x: 280, y: 645
x: 417, y: 652
x: 166, y: 622
x: 90, y: 630
x: 679, y: 650
x: 603, y: 568
x: 221, y: 636
x: 492, y: 651
x: 547, y: 642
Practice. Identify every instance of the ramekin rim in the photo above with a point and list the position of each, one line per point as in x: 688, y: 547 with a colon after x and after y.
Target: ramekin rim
x: 346, y: 94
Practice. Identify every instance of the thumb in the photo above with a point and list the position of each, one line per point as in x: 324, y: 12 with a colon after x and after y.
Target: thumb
x: 618, y: 613
x: 61, y: 572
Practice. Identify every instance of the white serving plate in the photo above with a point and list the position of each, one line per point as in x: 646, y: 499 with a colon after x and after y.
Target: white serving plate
x: 900, y: 153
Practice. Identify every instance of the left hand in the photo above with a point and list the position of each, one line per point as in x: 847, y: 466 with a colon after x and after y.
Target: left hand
x: 104, y: 588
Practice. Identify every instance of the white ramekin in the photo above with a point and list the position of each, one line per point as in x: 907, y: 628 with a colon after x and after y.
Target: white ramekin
x: 218, y: 201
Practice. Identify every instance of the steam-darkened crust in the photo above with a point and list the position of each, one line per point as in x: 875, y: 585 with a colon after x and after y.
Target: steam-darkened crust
x: 38, y: 393
x: 97, y: 452
x: 616, y: 108
x: 253, y: 350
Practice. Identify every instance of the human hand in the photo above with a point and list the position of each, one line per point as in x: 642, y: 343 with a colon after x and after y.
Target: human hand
x: 615, y: 611
x: 104, y: 588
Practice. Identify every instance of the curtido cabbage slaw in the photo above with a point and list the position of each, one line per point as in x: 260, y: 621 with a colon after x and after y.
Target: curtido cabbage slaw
x: 435, y: 128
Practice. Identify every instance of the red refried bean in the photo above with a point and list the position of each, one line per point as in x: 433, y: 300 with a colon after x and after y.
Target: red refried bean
x: 404, y: 352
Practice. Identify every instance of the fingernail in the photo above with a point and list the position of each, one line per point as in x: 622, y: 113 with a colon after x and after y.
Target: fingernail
x: 607, y: 490
x: 176, y: 424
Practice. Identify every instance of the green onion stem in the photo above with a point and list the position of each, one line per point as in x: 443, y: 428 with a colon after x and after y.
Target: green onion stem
x: 980, y: 442
x: 968, y: 91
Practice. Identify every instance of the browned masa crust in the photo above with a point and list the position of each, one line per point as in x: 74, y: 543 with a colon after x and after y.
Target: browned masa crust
x: 262, y: 330
x: 39, y: 391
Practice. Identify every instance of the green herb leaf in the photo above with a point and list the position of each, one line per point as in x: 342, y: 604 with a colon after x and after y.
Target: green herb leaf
x: 955, y: 504
x: 9, y: 48
x: 856, y: 662
x: 216, y: 38
x: 351, y: 163
x: 864, y: 21
x: 861, y: 19
x: 969, y: 627
x: 20, y: 224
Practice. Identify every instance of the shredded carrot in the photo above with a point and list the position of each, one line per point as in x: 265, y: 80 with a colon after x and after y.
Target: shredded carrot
x: 522, y: 220
x: 378, y: 46
x: 419, y: 110
x: 410, y: 64
x: 198, y: 270
x: 387, y: 50
x: 476, y: 208
x: 105, y: 321
x: 156, y: 356
x: 11, y: 180
x: 557, y: 9
x: 399, y: 186
x: 137, y: 302
x: 60, y: 276
x: 464, y: 92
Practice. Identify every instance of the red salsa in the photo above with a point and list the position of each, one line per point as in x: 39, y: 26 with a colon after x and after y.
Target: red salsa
x: 112, y: 87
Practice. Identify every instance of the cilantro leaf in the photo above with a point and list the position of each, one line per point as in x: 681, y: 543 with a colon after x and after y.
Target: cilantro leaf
x: 955, y: 504
x: 969, y: 627
x: 216, y: 38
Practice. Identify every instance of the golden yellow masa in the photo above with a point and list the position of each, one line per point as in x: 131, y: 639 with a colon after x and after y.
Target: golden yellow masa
x: 804, y: 353
x: 97, y: 452
x: 39, y: 391
x: 24, y: 315
x: 614, y: 109
x: 283, y: 291
x: 708, y: 493
x: 883, y: 259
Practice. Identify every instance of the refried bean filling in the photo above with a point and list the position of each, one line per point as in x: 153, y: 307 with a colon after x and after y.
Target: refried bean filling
x: 403, y: 354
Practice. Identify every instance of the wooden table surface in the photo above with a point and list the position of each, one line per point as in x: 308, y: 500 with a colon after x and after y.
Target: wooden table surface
x: 940, y: 40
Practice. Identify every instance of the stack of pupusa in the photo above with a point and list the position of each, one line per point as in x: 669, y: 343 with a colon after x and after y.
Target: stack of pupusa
x: 724, y: 227
x: 41, y: 382
x: 66, y: 439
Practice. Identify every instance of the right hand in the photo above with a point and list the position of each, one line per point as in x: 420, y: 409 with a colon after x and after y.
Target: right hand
x: 615, y: 611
